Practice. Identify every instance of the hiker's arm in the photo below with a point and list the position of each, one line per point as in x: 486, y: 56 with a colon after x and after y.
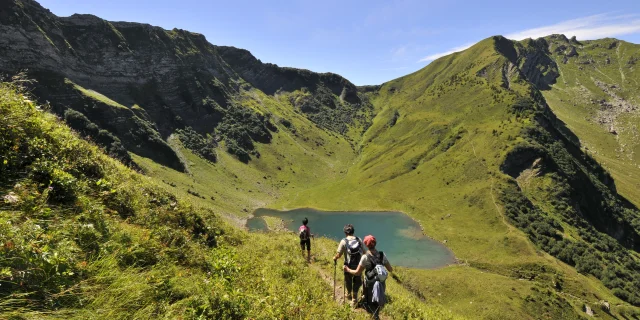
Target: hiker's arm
x: 388, y: 266
x: 338, y: 252
x: 337, y: 256
x: 355, y: 272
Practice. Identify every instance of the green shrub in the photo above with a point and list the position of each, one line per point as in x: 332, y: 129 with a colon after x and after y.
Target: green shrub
x: 581, y: 196
x: 101, y: 137
x: 58, y: 184
x: 204, y: 147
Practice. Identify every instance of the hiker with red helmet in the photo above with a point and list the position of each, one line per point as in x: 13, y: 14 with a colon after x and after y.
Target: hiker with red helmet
x: 376, y: 267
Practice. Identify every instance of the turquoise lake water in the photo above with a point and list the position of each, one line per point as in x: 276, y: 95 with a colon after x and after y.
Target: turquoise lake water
x: 399, y: 236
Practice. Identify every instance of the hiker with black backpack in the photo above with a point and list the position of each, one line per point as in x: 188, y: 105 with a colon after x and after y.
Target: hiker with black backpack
x: 376, y: 267
x: 352, y: 248
x: 305, y: 238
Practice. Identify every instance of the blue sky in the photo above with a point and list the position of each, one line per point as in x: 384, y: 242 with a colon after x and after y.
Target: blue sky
x: 368, y: 42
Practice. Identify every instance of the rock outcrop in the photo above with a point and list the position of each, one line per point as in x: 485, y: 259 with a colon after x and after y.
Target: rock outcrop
x: 532, y: 59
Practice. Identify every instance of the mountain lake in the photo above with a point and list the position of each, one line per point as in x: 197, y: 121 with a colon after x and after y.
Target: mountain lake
x: 397, y: 235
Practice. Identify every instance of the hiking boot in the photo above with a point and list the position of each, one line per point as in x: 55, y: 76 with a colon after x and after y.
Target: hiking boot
x: 349, y: 297
x: 353, y: 303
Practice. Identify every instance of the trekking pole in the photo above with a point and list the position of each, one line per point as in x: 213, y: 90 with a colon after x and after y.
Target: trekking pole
x: 335, y: 265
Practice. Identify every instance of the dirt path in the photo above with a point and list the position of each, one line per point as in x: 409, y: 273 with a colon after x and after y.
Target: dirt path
x: 493, y: 199
x: 339, y: 290
x: 328, y: 278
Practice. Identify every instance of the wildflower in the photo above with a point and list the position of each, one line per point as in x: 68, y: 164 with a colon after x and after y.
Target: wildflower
x: 11, y: 198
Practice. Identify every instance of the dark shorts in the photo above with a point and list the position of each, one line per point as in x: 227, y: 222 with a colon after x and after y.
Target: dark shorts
x: 353, y: 284
x: 305, y: 242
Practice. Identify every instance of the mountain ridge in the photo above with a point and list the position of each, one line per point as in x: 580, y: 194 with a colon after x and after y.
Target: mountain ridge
x: 176, y: 77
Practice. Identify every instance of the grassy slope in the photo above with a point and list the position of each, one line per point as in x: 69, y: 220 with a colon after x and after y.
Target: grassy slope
x: 297, y: 158
x: 573, y: 99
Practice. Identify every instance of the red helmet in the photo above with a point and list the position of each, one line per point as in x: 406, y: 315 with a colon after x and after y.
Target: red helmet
x: 370, y: 241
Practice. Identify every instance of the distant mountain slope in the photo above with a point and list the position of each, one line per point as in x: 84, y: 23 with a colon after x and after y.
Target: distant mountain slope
x: 598, y: 95
x: 142, y: 82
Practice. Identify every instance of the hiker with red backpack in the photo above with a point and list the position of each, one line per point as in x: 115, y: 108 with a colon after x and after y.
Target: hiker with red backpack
x: 376, y: 267
x: 352, y: 248
x: 305, y: 238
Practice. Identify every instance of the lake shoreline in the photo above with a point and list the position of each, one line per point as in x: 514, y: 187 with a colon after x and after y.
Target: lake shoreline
x: 252, y: 215
x: 300, y: 211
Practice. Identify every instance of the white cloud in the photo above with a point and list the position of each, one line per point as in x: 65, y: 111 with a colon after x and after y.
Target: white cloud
x: 442, y: 54
x: 587, y: 28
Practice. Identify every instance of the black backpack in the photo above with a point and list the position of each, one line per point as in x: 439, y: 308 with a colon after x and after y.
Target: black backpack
x: 376, y: 270
x: 303, y: 234
x: 354, y: 252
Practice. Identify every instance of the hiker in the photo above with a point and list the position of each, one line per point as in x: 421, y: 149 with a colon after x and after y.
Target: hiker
x: 376, y: 267
x: 305, y: 238
x: 352, y: 248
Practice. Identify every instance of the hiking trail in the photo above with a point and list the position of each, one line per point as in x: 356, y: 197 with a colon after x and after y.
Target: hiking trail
x: 339, y: 293
x: 501, y: 215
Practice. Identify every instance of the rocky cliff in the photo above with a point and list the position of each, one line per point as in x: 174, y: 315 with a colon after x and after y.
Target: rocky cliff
x: 141, y: 82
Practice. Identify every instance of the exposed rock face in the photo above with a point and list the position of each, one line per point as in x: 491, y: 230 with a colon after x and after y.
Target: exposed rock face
x: 574, y: 40
x: 571, y: 52
x: 175, y: 78
x: 532, y: 59
x: 610, y: 110
x: 270, y: 78
x: 520, y: 159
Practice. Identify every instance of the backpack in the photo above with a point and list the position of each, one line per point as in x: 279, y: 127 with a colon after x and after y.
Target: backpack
x: 303, y: 233
x: 354, y: 252
x: 378, y: 272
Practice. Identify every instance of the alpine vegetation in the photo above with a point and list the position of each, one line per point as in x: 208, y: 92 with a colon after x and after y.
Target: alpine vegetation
x: 132, y: 157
